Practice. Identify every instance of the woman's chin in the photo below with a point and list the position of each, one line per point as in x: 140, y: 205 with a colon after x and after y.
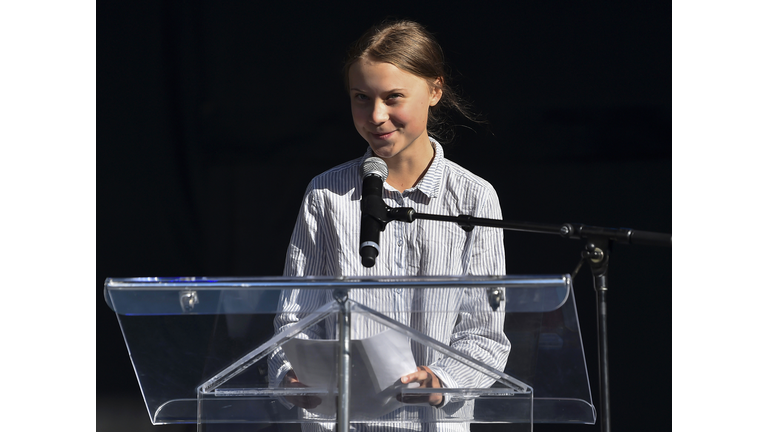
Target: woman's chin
x: 382, y: 152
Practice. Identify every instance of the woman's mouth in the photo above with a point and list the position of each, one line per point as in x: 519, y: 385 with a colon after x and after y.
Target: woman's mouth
x: 384, y: 135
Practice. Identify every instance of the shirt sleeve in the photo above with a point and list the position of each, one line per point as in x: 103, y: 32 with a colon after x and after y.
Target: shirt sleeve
x: 479, y: 332
x: 304, y: 257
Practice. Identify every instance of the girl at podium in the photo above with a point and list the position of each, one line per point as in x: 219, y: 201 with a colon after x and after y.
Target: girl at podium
x: 399, y: 92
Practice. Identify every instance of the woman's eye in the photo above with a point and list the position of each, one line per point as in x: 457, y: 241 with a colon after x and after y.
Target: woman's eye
x: 360, y: 96
x: 394, y: 98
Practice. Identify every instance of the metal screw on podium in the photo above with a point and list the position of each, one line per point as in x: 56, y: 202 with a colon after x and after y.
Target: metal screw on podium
x: 188, y: 300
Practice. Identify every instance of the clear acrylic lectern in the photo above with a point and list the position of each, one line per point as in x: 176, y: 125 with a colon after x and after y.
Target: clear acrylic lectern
x: 201, y: 350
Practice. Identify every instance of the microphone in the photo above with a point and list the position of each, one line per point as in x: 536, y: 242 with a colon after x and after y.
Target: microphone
x: 374, y: 212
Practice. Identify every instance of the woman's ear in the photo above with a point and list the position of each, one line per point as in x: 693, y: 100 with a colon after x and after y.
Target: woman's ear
x: 437, y: 91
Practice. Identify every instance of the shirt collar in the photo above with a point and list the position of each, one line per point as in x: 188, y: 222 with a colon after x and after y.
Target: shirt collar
x: 429, y: 185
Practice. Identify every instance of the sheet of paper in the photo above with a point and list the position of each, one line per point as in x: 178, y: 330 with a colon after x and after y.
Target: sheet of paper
x: 388, y: 355
x: 378, y: 363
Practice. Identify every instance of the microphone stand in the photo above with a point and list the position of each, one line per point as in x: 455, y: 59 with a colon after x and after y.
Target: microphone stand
x: 596, y: 254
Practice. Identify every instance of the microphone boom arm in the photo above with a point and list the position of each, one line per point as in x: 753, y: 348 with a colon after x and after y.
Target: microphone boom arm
x: 567, y: 230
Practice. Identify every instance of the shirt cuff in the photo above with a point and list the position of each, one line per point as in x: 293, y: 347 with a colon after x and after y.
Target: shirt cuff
x: 446, y: 381
x: 277, y: 384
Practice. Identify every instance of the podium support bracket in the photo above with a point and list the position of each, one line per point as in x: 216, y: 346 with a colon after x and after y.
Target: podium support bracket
x: 345, y: 365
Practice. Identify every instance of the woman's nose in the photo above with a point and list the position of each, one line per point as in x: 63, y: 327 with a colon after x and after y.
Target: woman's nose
x: 380, y: 113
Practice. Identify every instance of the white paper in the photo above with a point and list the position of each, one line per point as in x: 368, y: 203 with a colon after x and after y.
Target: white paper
x: 377, y: 362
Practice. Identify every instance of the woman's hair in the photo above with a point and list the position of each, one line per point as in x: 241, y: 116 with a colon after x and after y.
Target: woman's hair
x: 410, y: 47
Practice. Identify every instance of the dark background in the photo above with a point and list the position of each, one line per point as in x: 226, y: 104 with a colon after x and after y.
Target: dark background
x: 213, y: 117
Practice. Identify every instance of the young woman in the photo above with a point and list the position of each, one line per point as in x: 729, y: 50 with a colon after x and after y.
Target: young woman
x: 397, y: 88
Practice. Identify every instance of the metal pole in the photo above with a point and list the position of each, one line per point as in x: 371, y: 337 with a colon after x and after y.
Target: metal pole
x: 602, y: 331
x: 598, y: 254
x: 345, y: 371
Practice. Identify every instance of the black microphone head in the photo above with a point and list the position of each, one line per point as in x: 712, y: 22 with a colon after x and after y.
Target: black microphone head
x: 374, y: 166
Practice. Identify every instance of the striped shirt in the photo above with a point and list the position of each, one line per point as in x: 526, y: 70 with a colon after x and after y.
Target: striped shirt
x: 325, y: 242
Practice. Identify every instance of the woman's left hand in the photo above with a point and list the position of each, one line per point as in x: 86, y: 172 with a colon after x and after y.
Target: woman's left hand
x: 426, y: 379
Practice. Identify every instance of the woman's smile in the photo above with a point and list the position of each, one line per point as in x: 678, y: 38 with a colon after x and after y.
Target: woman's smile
x: 383, y: 135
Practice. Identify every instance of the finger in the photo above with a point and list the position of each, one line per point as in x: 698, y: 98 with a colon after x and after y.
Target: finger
x: 303, y: 401
x: 311, y: 402
x: 419, y: 376
x: 307, y: 402
x: 430, y: 398
x: 413, y: 399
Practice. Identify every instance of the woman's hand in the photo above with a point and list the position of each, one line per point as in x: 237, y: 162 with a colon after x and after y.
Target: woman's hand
x: 305, y: 401
x: 426, y: 379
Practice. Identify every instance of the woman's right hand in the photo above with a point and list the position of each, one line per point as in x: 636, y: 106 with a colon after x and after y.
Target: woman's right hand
x: 304, y: 401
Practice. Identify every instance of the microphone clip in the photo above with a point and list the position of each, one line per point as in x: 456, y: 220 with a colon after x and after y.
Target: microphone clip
x: 373, y: 207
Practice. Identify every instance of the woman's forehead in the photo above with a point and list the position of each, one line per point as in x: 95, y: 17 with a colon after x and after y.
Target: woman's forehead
x: 374, y: 75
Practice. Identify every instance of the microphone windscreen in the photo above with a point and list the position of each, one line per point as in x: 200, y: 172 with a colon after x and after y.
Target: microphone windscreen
x: 376, y: 166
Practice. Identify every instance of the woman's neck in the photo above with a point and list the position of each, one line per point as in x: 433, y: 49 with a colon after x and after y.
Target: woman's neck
x: 406, y: 172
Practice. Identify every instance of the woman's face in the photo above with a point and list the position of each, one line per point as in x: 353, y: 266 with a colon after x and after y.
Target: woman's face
x: 390, y: 108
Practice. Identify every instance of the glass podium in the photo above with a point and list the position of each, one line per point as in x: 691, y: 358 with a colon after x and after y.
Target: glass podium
x: 203, y: 348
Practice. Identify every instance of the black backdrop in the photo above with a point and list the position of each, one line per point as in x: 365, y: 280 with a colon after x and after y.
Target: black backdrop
x: 213, y: 116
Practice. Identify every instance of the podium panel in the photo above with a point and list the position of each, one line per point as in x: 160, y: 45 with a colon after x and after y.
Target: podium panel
x: 203, y: 348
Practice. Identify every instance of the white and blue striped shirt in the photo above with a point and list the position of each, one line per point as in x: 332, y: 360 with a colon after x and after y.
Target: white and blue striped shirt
x: 325, y: 242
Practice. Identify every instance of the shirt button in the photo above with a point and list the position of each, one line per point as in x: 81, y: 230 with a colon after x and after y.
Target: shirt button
x: 399, y: 242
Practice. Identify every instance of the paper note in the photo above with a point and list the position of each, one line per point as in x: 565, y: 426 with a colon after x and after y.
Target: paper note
x: 377, y: 364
